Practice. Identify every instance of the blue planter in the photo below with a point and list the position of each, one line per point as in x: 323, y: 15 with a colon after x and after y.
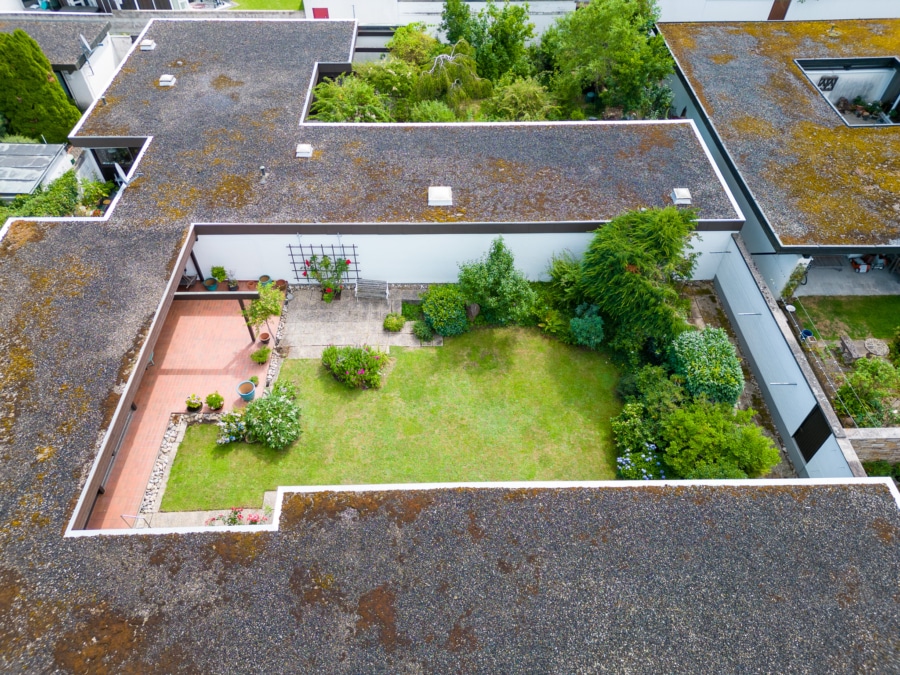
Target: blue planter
x: 210, y: 284
x: 246, y: 390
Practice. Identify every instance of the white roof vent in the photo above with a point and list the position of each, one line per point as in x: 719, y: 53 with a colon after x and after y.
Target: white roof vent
x: 147, y: 45
x: 681, y: 197
x: 440, y: 196
x: 167, y: 81
x: 304, y: 150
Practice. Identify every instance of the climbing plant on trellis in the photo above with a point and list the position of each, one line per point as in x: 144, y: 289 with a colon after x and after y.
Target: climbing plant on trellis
x: 300, y: 253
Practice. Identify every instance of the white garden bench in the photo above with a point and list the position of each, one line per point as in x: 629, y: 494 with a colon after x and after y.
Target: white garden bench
x: 369, y: 288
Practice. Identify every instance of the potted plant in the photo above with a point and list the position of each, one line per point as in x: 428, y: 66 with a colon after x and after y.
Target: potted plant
x: 261, y: 355
x: 246, y: 390
x: 266, y: 305
x: 265, y: 280
x: 254, y: 379
x: 193, y: 403
x: 232, y: 281
x: 219, y: 274
x: 215, y: 401
x: 281, y: 285
x: 329, y: 273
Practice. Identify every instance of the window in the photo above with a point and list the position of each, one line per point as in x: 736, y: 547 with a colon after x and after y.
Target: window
x: 320, y: 12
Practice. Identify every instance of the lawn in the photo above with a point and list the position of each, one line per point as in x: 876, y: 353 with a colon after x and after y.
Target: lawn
x: 491, y: 405
x: 291, y: 5
x: 858, y: 316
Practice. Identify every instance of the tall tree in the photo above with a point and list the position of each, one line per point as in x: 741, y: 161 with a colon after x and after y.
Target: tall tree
x: 631, y: 272
x: 30, y: 96
x: 608, y: 46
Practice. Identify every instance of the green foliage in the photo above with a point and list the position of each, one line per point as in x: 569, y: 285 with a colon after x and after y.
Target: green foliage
x: 565, y: 275
x: 218, y: 273
x: 630, y: 272
x: 329, y: 273
x: 586, y: 326
x: 215, y: 401
x: 709, y: 364
x: 274, y: 420
x: 193, y: 402
x: 4, y: 125
x: 268, y: 304
x: 413, y: 45
x: 60, y: 198
x: 497, y: 34
x: 411, y: 311
x: 894, y: 347
x: 31, y: 98
x: 423, y: 330
x: 394, y: 80
x: 445, y: 310
x: 644, y: 465
x: 17, y: 138
x: 793, y: 281
x: 554, y: 322
x: 867, y: 393
x: 497, y: 286
x: 231, y: 427
x: 878, y: 467
x: 630, y: 431
x: 607, y: 47
x: 94, y: 191
x: 261, y: 355
x: 452, y: 78
x: 431, y: 111
x: 349, y: 99
x: 394, y: 322
x: 521, y: 100
x: 254, y: 379
x: 356, y: 367
x: 703, y: 433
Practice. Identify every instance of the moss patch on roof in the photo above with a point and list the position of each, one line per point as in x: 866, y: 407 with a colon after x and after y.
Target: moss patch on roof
x: 818, y: 181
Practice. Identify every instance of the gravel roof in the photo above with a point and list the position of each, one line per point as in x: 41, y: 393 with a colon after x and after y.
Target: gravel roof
x: 58, y: 39
x: 818, y: 181
x: 235, y: 108
x: 793, y: 579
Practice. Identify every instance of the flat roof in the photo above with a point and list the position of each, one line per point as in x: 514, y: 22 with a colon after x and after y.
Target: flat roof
x: 58, y: 39
x: 817, y: 181
x: 228, y: 115
x: 24, y: 165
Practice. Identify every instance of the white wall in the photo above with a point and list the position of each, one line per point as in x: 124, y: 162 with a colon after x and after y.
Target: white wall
x: 91, y: 80
x: 426, y: 258
x: 11, y: 6
x: 373, y: 12
x: 62, y: 164
x: 776, y: 269
x: 758, y: 10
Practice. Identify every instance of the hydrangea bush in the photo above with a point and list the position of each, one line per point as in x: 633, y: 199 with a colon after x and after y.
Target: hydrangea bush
x: 231, y: 427
x: 709, y: 364
x: 644, y: 465
x: 274, y: 420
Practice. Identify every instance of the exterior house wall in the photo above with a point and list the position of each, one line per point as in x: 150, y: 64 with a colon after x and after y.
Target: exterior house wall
x: 758, y: 10
x: 91, y: 79
x: 875, y: 444
x: 415, y: 258
x: 11, y: 6
x: 372, y: 12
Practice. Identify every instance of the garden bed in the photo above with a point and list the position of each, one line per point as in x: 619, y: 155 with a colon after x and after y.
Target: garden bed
x: 492, y: 405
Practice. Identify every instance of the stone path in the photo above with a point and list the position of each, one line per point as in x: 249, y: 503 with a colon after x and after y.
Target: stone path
x: 311, y: 324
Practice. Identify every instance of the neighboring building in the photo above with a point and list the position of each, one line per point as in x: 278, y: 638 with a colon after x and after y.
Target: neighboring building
x: 24, y: 166
x: 775, y: 100
x: 775, y: 10
x: 83, y: 54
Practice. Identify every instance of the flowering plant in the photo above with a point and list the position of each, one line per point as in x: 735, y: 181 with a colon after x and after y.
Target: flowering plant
x: 231, y: 427
x: 236, y: 517
x: 356, y: 367
x: 644, y: 465
x: 193, y: 402
x: 329, y: 273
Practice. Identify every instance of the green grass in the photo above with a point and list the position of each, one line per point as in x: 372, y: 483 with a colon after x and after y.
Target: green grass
x: 491, y: 405
x: 858, y: 316
x: 291, y: 5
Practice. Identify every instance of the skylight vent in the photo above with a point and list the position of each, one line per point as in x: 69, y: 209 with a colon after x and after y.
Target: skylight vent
x: 167, y: 81
x: 147, y: 45
x: 440, y: 196
x: 304, y: 150
x: 681, y: 197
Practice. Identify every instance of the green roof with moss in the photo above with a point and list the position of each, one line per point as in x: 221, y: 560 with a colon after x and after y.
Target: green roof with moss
x: 818, y: 181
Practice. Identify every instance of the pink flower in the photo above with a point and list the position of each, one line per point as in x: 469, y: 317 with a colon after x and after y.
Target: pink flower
x: 328, y: 290
x: 361, y: 371
x: 348, y: 261
x: 307, y: 262
x: 304, y: 272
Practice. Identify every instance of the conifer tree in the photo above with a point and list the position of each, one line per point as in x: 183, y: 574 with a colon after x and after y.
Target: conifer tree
x: 30, y: 96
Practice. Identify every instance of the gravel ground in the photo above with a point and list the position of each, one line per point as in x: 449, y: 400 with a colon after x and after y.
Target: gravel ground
x: 57, y: 39
x: 817, y: 181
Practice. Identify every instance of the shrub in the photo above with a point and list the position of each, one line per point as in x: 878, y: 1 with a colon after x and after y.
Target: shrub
x: 709, y: 364
x: 231, y: 427
x: 215, y: 401
x: 274, y: 420
x: 520, y: 100
x: 348, y: 99
x: 657, y: 392
x: 423, y: 331
x: 218, y: 273
x: 587, y: 326
x: 502, y: 291
x: 394, y: 322
x: 356, y: 367
x: 554, y: 322
x: 894, y: 347
x: 630, y: 431
x: 17, y: 138
x: 411, y: 311
x: 564, y: 271
x: 644, y: 465
x: 431, y: 111
x: 878, y: 467
x: 261, y: 355
x: 714, y: 433
x: 445, y: 310
x: 93, y: 191
x: 867, y: 392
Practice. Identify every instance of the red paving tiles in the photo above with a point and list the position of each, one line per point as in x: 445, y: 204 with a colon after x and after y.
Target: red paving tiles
x: 204, y: 347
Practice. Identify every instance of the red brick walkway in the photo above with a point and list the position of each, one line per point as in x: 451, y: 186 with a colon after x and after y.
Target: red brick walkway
x: 204, y: 347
